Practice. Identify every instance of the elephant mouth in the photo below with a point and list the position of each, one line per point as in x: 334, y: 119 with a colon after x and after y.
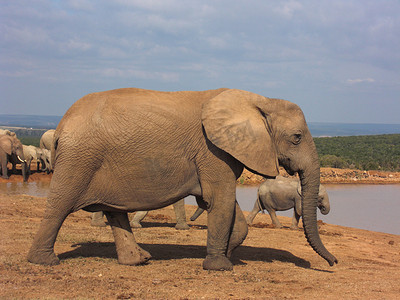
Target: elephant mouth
x: 285, y: 163
x: 323, y: 209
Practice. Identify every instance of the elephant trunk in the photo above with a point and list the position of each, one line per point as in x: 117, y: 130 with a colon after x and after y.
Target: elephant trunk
x: 25, y: 173
x: 310, y: 181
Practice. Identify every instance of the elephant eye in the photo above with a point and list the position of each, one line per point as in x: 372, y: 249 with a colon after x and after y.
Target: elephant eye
x: 296, y: 138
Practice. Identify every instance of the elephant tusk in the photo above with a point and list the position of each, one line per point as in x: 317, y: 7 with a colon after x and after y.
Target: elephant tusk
x: 23, y: 161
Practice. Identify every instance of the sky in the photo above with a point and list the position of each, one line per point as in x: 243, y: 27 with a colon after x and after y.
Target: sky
x: 338, y: 60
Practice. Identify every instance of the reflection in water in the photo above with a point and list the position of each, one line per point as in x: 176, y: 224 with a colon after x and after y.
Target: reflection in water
x: 371, y: 207
x: 38, y: 189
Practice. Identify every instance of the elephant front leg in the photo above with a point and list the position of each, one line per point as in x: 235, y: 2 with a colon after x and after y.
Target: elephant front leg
x: 4, y: 171
x: 274, y: 218
x: 129, y: 252
x: 219, y: 223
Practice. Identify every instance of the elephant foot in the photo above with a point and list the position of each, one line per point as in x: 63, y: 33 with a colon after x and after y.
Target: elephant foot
x: 135, y: 224
x: 182, y: 226
x: 133, y: 258
x: 217, y: 263
x: 43, y: 257
x: 98, y: 223
x: 5, y: 177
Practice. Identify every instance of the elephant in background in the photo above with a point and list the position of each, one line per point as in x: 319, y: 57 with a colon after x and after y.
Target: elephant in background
x: 30, y: 154
x: 11, y: 150
x: 281, y: 194
x: 6, y: 132
x: 47, y: 139
x: 44, y: 157
x: 191, y: 143
x: 180, y: 214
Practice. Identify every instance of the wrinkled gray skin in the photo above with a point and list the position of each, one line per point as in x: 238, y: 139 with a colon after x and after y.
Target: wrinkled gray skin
x: 282, y: 194
x: 11, y: 150
x: 191, y: 143
x: 180, y: 214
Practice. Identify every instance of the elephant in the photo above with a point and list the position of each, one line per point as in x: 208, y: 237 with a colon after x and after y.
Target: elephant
x: 44, y: 157
x: 11, y: 150
x: 284, y: 193
x: 6, y: 132
x: 30, y: 154
x: 180, y: 213
x: 146, y: 149
x: 47, y: 139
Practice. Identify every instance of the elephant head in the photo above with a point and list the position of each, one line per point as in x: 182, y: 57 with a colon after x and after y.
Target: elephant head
x: 323, y: 200
x: 13, y: 148
x: 263, y: 133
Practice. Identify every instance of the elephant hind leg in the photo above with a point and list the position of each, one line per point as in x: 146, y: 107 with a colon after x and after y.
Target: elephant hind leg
x: 42, y: 249
x: 239, y: 231
x: 129, y: 252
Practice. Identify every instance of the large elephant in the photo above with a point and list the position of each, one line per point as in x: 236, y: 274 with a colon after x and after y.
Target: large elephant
x: 180, y: 214
x: 11, y: 150
x: 146, y: 149
x: 282, y: 194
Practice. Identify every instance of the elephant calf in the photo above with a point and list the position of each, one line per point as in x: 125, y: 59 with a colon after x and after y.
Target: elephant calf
x: 282, y: 194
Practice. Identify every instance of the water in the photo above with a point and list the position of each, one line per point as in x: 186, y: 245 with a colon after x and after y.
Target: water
x: 370, y: 207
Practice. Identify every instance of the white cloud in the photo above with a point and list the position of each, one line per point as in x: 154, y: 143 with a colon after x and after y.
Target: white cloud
x: 360, y: 80
x: 288, y: 9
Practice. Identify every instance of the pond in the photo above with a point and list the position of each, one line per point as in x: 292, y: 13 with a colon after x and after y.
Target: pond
x: 370, y: 207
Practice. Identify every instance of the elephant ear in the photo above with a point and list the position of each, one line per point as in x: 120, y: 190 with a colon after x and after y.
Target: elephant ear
x: 235, y: 123
x: 6, y: 145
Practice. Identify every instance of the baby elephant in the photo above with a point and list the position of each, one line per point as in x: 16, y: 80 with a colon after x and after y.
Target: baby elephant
x: 283, y: 194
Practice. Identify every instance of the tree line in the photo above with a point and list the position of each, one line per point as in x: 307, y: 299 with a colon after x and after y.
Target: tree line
x: 368, y: 152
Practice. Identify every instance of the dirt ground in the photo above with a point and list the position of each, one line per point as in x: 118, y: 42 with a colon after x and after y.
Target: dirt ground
x: 271, y: 264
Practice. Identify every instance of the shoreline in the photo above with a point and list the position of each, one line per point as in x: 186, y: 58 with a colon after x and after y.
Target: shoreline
x: 333, y: 176
x: 328, y: 176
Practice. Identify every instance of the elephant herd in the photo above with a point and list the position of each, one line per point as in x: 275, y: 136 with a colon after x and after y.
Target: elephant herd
x: 132, y: 149
x: 14, y: 152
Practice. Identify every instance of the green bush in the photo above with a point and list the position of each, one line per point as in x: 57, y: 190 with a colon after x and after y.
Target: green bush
x: 369, y: 152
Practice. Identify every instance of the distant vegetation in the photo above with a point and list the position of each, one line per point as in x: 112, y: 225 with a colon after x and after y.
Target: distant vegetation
x: 369, y: 152
x: 364, y: 152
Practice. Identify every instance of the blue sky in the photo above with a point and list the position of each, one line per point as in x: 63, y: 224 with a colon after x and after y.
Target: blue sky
x: 339, y: 60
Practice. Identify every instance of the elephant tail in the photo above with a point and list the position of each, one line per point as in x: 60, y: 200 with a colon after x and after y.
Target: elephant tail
x: 54, y: 146
x: 196, y: 214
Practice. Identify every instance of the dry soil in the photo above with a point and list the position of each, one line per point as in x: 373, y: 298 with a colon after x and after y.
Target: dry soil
x: 271, y: 264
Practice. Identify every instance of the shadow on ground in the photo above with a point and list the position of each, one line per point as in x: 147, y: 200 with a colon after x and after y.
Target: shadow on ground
x: 168, y: 251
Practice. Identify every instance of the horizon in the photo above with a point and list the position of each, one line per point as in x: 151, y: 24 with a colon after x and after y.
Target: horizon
x: 314, y: 122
